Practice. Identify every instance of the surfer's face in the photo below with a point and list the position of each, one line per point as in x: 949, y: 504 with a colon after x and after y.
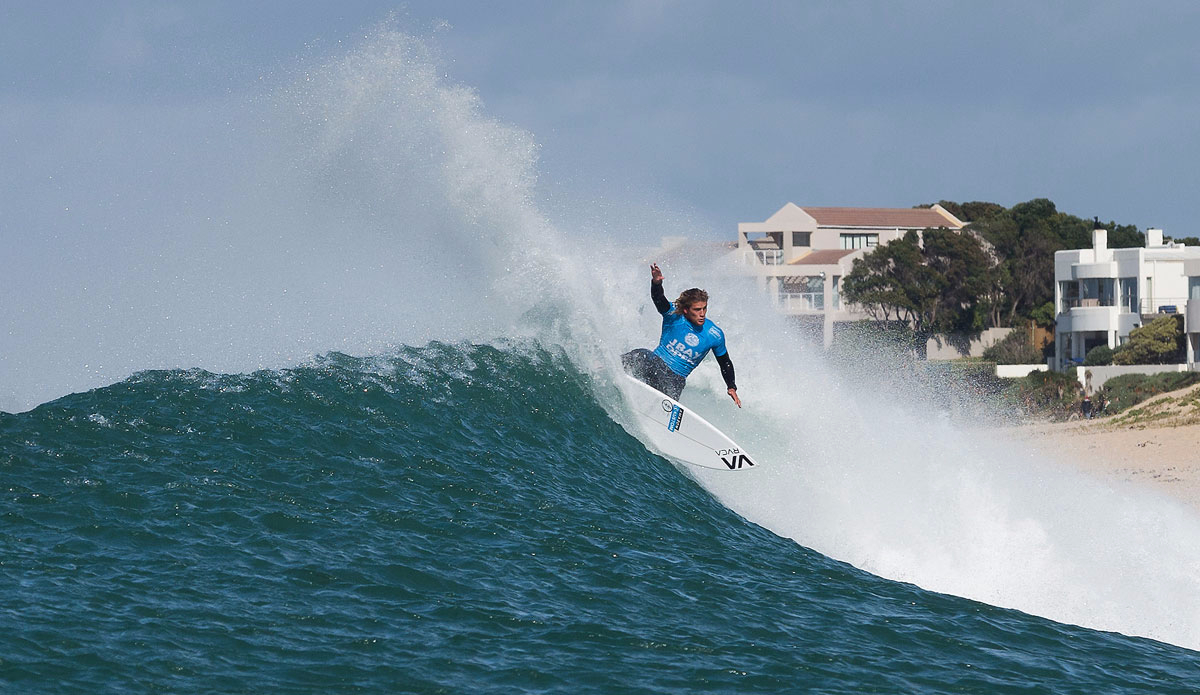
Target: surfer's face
x: 696, y: 313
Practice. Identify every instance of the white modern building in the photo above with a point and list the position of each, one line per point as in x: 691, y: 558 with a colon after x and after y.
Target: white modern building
x: 801, y: 254
x: 1102, y: 294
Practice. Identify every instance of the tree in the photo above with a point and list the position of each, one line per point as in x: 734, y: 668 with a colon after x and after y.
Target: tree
x: 1124, y: 236
x: 1157, y: 342
x: 962, y: 264
x: 1043, y: 315
x: 933, y: 285
x: 890, y: 283
x: 1031, y: 274
x: 1022, y: 241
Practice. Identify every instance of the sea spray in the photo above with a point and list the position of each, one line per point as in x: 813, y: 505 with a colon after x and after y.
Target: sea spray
x: 865, y: 462
x: 358, y: 200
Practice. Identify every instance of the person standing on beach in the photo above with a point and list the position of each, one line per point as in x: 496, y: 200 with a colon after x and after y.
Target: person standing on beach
x: 687, y: 336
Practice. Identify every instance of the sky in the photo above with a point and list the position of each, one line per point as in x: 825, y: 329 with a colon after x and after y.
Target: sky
x: 125, y: 128
x: 723, y: 111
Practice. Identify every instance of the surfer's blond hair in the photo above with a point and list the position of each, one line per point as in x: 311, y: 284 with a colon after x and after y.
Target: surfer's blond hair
x: 689, y: 297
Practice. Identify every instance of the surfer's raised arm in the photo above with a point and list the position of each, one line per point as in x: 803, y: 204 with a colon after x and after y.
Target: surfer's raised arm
x: 656, y: 290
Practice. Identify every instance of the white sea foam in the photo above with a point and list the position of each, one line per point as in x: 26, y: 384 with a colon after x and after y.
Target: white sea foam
x: 861, y: 463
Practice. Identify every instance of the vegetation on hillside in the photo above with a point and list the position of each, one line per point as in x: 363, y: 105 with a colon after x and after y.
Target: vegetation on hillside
x: 1057, y: 396
x: 1054, y: 395
x: 1123, y: 393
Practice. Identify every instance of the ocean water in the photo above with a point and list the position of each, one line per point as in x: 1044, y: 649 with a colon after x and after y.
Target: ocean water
x: 451, y: 518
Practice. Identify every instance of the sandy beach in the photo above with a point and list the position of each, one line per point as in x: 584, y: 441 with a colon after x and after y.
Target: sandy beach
x: 1156, y: 443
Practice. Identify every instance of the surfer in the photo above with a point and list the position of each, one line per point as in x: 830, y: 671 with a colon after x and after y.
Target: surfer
x: 687, y: 336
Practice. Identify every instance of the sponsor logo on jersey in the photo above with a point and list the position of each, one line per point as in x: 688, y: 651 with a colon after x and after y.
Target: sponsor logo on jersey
x: 691, y: 339
x: 687, y: 354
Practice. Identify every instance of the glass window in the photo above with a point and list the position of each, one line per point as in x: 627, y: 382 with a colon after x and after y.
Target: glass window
x: 859, y: 241
x: 801, y: 238
x: 770, y: 257
x: 1129, y: 298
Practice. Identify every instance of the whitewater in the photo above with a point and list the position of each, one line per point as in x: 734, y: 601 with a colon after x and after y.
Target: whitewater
x: 352, y: 424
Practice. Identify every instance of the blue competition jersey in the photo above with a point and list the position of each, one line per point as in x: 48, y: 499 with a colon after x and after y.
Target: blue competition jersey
x: 683, y: 346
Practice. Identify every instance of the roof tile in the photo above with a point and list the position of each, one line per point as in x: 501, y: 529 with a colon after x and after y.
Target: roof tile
x: 822, y: 257
x: 887, y: 218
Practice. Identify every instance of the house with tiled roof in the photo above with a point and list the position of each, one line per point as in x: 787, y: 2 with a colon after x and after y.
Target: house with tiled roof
x: 800, y: 254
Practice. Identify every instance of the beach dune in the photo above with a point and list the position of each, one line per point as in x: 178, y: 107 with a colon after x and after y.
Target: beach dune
x: 1156, y: 443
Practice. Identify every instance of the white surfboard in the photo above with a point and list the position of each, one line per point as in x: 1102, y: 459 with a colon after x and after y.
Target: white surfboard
x: 680, y: 433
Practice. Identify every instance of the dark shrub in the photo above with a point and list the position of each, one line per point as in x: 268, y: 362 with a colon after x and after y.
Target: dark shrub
x: 1014, y: 348
x: 1098, y: 356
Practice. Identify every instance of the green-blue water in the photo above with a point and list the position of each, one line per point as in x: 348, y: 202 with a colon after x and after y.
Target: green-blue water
x: 450, y: 519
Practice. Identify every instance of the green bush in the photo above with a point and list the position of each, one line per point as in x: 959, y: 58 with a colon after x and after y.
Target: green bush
x: 1157, y: 342
x: 1098, y: 356
x: 1048, y: 394
x: 1014, y: 348
x: 1125, y: 391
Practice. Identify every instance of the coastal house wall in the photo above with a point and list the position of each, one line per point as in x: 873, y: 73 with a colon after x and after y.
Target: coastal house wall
x: 799, y: 255
x: 1102, y: 294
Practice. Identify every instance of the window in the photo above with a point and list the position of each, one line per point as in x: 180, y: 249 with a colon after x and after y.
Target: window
x: 1193, y: 288
x: 1096, y: 292
x: 859, y: 241
x: 801, y: 238
x: 770, y: 256
x: 1070, y: 295
x: 1129, y: 296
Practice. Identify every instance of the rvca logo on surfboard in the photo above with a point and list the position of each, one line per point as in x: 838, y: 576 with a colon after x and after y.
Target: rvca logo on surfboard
x: 734, y: 458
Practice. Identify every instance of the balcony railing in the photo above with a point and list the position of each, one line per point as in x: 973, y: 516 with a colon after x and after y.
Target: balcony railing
x: 1164, y: 305
x: 1087, y: 302
x: 1154, y: 305
x: 1126, y: 305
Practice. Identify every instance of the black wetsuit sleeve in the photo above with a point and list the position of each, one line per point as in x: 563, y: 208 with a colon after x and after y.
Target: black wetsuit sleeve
x: 660, y: 299
x: 726, y: 365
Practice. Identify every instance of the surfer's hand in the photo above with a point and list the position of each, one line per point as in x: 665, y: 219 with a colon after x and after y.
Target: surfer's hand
x: 733, y: 395
x: 655, y: 273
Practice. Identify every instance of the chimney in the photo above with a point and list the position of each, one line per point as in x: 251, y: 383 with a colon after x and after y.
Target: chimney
x: 1100, y: 241
x: 1154, y: 237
